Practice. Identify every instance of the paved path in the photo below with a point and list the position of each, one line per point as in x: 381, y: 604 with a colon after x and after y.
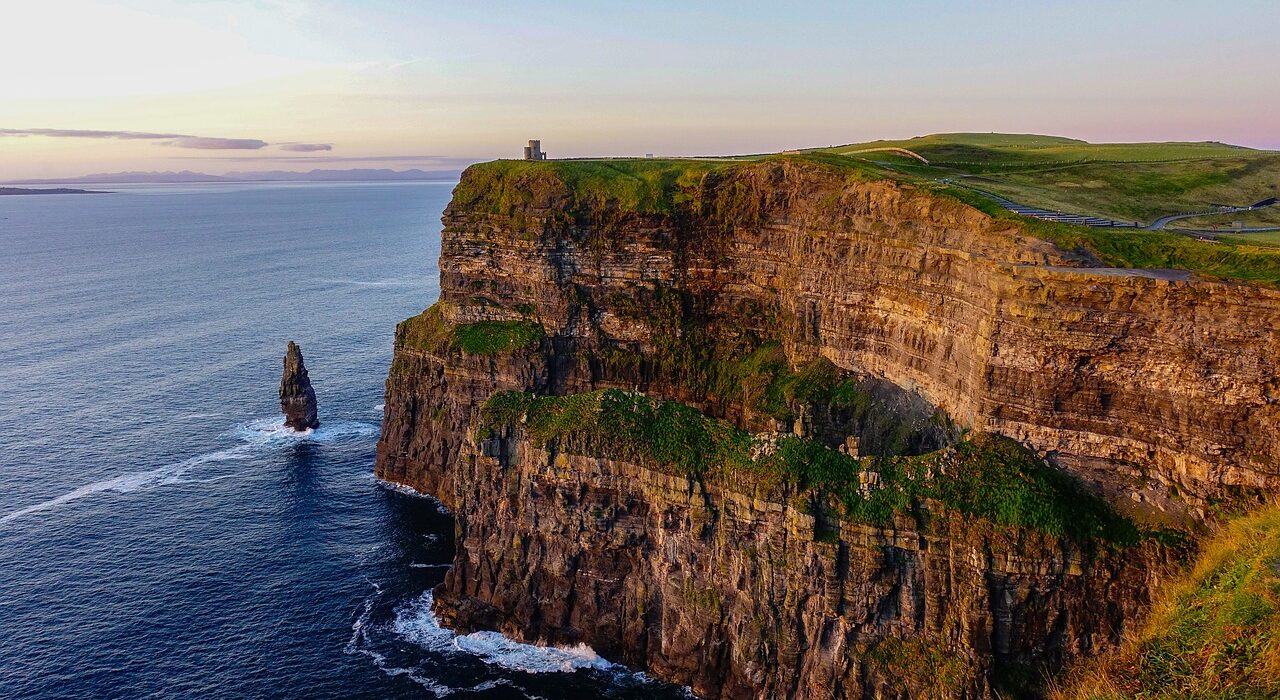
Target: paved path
x: 1166, y: 220
x: 1045, y: 214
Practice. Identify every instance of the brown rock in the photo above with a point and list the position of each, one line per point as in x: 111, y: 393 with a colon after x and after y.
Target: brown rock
x: 297, y: 398
x: 1160, y: 390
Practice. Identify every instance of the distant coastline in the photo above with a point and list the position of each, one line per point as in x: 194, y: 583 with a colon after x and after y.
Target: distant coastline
x: 56, y: 190
x: 190, y: 177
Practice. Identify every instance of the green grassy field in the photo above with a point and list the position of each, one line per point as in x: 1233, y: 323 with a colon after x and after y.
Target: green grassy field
x: 1258, y: 218
x: 1127, y: 181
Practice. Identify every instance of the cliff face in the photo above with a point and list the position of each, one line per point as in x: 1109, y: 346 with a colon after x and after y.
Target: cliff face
x: 735, y: 593
x: 1157, y: 389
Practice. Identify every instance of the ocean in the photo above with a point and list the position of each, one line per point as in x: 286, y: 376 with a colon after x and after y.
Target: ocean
x: 161, y: 534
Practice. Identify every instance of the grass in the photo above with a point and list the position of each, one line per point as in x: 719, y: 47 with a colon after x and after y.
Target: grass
x: 430, y: 332
x: 1126, y: 181
x: 700, y: 197
x: 583, y: 188
x: 1267, y: 238
x: 1009, y: 151
x: 1141, y: 191
x: 984, y: 476
x: 1215, y: 635
x: 917, y: 666
x: 496, y: 337
x: 1260, y: 218
x: 740, y: 370
x: 1233, y: 259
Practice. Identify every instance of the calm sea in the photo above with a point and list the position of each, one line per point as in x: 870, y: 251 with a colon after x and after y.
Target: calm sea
x: 161, y: 535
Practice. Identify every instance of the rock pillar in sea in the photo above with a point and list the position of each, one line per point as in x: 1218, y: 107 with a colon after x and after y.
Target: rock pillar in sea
x: 297, y: 398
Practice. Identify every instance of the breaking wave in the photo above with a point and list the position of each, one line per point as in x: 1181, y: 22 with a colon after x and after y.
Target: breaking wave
x: 410, y: 491
x: 272, y: 431
x: 255, y: 436
x: 416, y: 622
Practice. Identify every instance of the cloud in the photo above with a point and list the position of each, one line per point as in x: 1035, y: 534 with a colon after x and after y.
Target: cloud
x: 306, y: 147
x: 90, y: 134
x: 205, y: 143
x: 215, y: 144
x: 336, y: 159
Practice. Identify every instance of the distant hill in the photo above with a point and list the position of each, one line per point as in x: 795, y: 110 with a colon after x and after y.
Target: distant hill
x: 9, y: 191
x: 187, y: 176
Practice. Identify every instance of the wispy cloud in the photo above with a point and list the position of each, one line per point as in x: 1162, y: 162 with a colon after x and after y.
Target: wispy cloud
x: 434, y: 160
x: 203, y: 143
x: 90, y: 134
x: 206, y: 143
x: 306, y: 147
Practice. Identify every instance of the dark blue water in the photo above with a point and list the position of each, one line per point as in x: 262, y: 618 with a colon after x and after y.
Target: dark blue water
x: 160, y: 534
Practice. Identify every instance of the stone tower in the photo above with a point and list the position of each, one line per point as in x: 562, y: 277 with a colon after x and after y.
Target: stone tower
x: 534, y: 150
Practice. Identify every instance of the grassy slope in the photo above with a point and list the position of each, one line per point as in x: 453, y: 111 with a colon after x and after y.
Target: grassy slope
x: 428, y: 331
x: 1140, y: 181
x: 1214, y: 636
x: 1270, y: 216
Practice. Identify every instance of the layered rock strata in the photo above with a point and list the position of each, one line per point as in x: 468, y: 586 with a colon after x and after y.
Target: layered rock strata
x: 1158, y: 389
x: 297, y: 398
x: 738, y: 593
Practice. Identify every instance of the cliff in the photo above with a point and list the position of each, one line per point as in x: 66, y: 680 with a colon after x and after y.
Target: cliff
x: 736, y: 590
x: 872, y: 319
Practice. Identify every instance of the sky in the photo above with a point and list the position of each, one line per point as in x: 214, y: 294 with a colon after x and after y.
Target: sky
x: 233, y: 85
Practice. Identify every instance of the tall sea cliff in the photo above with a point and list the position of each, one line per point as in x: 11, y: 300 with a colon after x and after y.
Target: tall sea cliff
x: 782, y: 428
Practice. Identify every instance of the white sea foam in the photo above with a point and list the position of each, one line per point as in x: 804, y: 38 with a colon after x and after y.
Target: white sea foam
x: 255, y: 436
x: 416, y: 622
x: 380, y: 408
x: 410, y: 491
x: 272, y: 431
x: 416, y: 565
x: 358, y: 644
x: 128, y: 483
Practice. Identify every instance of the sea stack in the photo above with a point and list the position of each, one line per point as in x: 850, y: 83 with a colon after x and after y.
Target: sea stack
x: 297, y: 398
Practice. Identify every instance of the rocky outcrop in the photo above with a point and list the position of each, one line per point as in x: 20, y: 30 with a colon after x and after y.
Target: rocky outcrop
x: 297, y: 398
x: 1158, y: 389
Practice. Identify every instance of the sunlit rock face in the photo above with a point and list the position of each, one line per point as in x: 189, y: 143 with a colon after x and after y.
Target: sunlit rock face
x: 1158, y: 390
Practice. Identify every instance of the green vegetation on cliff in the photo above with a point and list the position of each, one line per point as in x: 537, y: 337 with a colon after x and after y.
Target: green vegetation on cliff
x: 710, y: 195
x: 580, y: 187
x: 1236, y: 259
x: 985, y: 476
x: 1215, y: 635
x: 1128, y: 181
x: 430, y: 332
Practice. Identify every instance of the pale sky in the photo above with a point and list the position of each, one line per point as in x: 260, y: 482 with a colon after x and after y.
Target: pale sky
x: 221, y: 85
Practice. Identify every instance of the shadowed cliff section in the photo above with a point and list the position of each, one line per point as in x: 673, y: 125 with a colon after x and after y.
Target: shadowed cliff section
x: 856, y: 326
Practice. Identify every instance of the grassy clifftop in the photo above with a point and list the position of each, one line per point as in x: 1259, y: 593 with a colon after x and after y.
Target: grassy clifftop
x: 723, y: 192
x: 1214, y: 636
x: 1131, y: 181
